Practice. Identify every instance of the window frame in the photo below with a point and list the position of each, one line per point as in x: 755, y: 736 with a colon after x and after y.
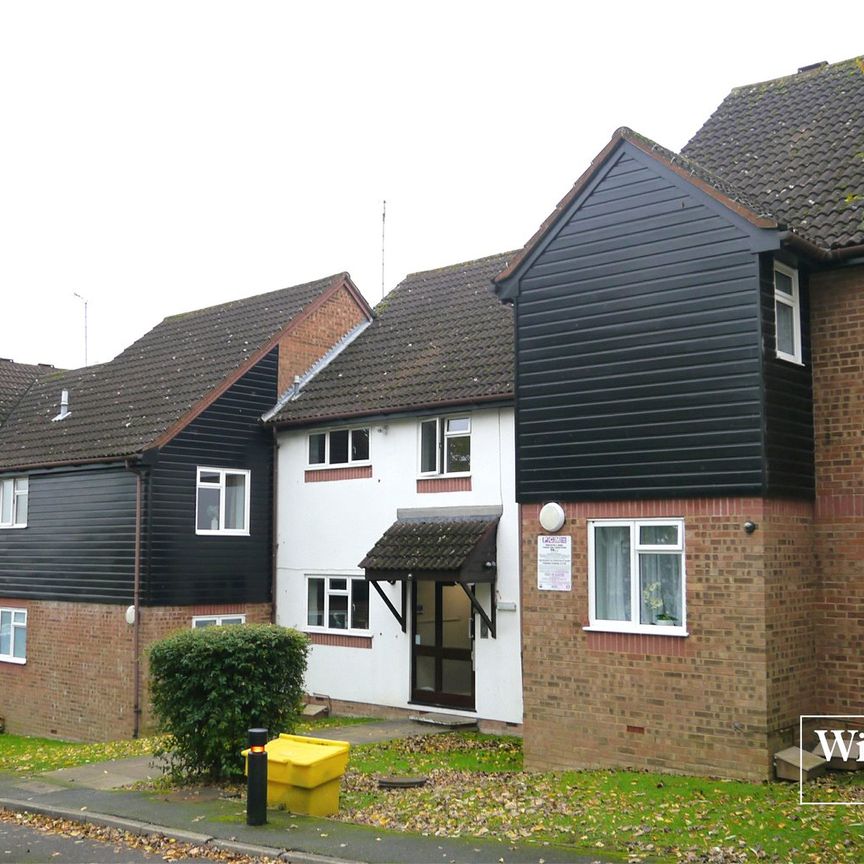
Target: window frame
x: 328, y: 592
x: 17, y: 494
x: 327, y: 464
x: 218, y: 620
x: 442, y: 435
x: 636, y: 548
x: 15, y: 626
x: 223, y: 473
x: 794, y: 303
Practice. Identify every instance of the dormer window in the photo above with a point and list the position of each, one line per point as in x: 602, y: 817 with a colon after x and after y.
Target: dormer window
x: 787, y: 313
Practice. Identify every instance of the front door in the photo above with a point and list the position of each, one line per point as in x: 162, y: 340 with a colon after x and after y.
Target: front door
x: 442, y: 659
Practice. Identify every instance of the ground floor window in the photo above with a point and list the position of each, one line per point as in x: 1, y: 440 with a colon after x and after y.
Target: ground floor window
x: 217, y: 620
x: 337, y: 603
x: 13, y: 635
x: 636, y: 574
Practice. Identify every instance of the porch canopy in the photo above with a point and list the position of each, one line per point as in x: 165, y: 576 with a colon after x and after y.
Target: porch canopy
x: 460, y: 549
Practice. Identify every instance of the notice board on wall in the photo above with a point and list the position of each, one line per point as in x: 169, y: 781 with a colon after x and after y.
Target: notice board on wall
x: 554, y: 560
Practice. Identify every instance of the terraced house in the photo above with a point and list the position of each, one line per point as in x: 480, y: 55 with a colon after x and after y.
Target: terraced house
x: 136, y: 497
x: 398, y: 527
x: 689, y: 414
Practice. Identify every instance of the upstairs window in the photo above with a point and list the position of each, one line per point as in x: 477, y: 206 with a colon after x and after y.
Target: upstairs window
x: 222, y: 502
x: 787, y: 313
x: 14, y: 495
x: 13, y: 635
x: 636, y: 575
x: 445, y: 446
x: 339, y: 447
x: 337, y: 603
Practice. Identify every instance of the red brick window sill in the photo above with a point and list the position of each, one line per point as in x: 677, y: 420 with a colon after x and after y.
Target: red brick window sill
x: 639, y: 644
x: 340, y: 640
x: 444, y: 484
x: 322, y: 475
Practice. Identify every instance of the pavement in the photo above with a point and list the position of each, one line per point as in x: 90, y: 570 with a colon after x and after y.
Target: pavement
x: 100, y: 794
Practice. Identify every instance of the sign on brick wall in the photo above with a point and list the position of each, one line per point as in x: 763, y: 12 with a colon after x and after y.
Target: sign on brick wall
x: 554, y: 558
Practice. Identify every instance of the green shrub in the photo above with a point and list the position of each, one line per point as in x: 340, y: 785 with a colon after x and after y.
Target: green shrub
x: 208, y: 686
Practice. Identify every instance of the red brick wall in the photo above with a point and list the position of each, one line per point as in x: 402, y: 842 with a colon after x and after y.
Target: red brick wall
x: 316, y: 334
x: 696, y: 704
x: 837, y: 341
x: 77, y: 682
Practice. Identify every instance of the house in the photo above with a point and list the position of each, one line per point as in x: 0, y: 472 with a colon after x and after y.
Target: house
x: 690, y: 337
x: 398, y: 536
x: 137, y: 497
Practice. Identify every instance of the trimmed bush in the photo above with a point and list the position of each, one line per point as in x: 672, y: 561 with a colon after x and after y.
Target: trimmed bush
x: 208, y: 686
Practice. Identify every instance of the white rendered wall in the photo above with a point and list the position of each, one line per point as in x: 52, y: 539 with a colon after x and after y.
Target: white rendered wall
x: 328, y: 527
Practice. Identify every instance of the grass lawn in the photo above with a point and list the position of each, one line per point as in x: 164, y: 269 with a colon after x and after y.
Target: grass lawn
x: 28, y: 755
x: 476, y: 788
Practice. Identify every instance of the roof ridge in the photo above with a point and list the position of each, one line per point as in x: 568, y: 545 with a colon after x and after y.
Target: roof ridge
x: 448, y: 267
x: 810, y: 71
x: 328, y: 279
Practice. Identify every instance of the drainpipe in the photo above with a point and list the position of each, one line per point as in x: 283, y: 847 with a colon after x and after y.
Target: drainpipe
x: 274, y: 528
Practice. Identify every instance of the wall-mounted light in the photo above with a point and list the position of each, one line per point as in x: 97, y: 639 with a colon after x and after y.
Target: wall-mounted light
x: 750, y: 527
x: 551, y: 517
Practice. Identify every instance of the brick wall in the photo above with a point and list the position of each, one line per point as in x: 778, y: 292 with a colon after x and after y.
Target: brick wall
x: 77, y: 682
x: 316, y: 334
x: 837, y: 341
x: 700, y: 704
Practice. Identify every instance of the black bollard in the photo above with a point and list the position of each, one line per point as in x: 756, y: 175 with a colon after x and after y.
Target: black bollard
x: 256, y: 775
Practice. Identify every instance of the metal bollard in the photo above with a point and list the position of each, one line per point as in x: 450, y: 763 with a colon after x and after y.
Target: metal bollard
x: 256, y: 785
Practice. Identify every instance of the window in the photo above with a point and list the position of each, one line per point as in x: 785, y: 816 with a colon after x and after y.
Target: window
x: 217, y: 621
x: 223, y: 501
x: 14, y: 494
x: 787, y: 312
x: 13, y: 635
x: 445, y: 446
x: 636, y: 575
x: 339, y: 447
x: 337, y: 603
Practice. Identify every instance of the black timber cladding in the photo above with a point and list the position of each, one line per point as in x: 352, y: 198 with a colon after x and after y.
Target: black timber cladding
x: 788, y: 396
x: 184, y: 568
x: 638, y: 346
x: 79, y: 543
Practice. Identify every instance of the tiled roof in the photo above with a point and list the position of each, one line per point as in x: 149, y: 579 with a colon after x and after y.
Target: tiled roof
x: 15, y: 378
x: 795, y: 145
x: 417, y: 546
x: 121, y: 408
x: 439, y: 337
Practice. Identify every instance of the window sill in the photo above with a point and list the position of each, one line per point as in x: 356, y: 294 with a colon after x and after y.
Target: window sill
x: 11, y: 527
x: 339, y: 639
x: 222, y: 533
x: 791, y: 360
x: 18, y: 661
x: 638, y: 630
x: 323, y: 475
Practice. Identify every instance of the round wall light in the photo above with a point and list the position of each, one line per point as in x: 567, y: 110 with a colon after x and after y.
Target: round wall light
x: 551, y: 516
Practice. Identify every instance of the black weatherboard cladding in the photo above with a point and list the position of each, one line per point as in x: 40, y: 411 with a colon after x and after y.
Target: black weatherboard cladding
x: 79, y: 543
x: 184, y: 568
x: 638, y: 347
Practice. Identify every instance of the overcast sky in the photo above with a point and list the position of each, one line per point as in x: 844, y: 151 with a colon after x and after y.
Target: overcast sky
x: 165, y: 156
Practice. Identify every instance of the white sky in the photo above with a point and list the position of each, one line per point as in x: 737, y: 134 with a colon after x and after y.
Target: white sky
x: 157, y: 157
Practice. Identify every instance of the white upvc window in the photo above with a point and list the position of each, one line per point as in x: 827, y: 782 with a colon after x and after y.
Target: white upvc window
x: 636, y: 579
x: 787, y: 313
x: 445, y: 446
x: 13, y: 635
x: 199, y: 621
x: 338, y: 447
x: 222, y: 501
x: 14, y: 497
x: 337, y: 604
